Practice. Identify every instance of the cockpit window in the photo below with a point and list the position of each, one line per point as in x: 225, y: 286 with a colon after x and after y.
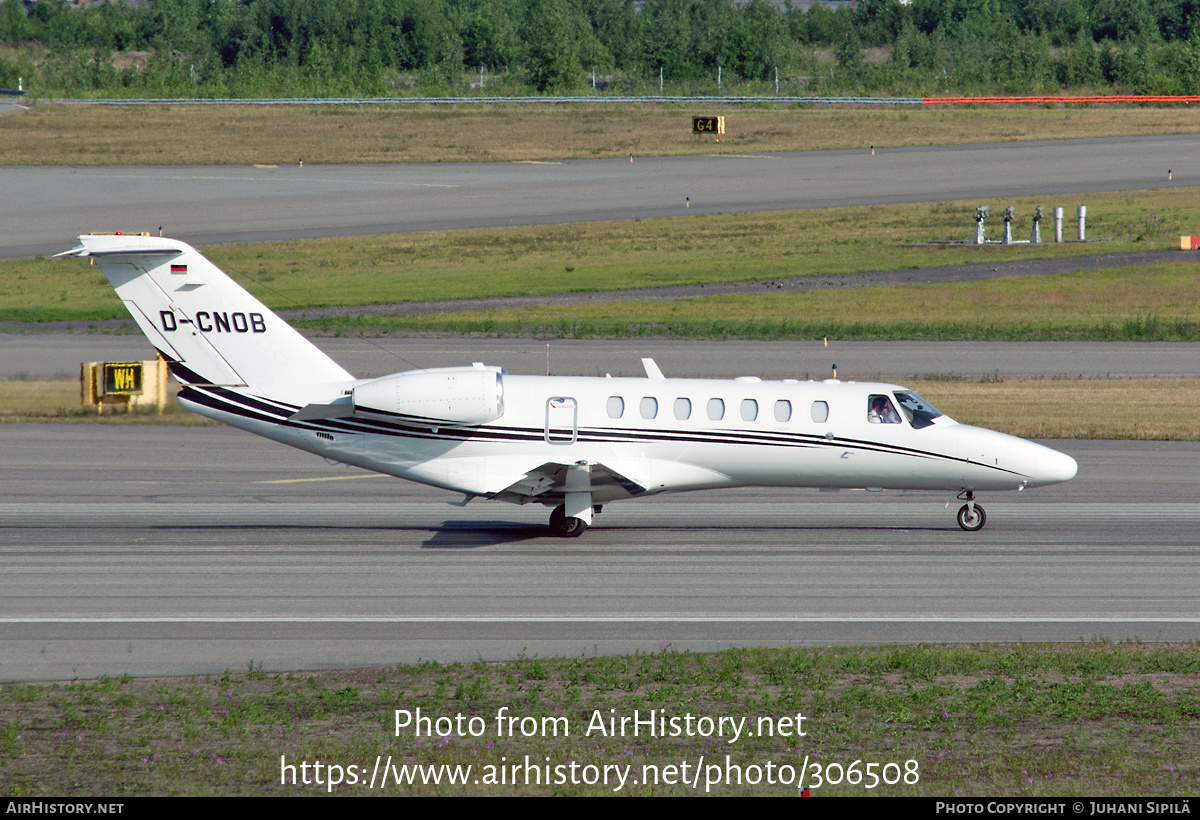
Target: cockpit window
x: 919, y: 412
x: 880, y: 410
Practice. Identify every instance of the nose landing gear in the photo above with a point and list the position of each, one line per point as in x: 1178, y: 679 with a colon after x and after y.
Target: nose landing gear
x: 971, y: 516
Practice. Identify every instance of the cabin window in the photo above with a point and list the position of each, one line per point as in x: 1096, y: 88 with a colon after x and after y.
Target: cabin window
x: 919, y: 412
x: 749, y: 409
x: 649, y: 407
x: 783, y: 410
x: 683, y: 409
x: 716, y: 409
x: 881, y: 411
x: 820, y: 412
x: 616, y: 407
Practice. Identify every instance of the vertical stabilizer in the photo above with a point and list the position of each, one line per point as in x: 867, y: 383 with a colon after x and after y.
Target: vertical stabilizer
x: 207, y: 326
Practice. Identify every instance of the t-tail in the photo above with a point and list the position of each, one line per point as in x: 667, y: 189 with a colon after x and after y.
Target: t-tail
x: 205, y: 325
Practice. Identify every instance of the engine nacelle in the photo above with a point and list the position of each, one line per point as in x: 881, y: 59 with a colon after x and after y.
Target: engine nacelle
x: 454, y: 395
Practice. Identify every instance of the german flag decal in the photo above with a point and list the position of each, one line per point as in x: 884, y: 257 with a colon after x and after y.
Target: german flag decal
x: 179, y: 269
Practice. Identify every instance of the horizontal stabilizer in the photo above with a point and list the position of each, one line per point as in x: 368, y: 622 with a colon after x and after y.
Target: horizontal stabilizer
x: 119, y: 250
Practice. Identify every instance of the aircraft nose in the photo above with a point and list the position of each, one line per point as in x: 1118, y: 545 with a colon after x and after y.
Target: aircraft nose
x: 1053, y: 467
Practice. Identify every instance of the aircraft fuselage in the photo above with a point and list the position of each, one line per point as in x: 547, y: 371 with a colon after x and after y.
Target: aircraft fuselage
x: 666, y: 435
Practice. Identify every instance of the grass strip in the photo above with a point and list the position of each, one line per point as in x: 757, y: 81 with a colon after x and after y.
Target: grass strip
x: 56, y: 134
x: 1155, y: 409
x: 610, y: 255
x: 59, y: 400
x: 1098, y: 718
x: 1143, y: 303
x: 1145, y: 329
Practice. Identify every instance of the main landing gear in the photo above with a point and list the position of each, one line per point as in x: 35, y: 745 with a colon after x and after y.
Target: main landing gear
x: 971, y: 516
x: 564, y: 526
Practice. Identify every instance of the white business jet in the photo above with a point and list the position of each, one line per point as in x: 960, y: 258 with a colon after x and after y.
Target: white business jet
x: 571, y: 444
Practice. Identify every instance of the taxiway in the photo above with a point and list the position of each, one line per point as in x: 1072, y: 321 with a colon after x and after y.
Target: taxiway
x: 42, y: 209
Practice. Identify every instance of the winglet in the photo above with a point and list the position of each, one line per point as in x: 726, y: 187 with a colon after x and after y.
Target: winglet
x: 652, y: 371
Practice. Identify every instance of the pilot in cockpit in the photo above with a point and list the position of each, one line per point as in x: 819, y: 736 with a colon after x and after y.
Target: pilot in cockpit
x: 882, y: 412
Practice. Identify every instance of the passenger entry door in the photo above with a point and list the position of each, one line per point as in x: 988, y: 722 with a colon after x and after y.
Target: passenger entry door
x: 562, y: 420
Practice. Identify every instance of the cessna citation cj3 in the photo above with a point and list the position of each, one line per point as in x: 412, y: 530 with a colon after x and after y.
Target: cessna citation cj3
x: 571, y: 444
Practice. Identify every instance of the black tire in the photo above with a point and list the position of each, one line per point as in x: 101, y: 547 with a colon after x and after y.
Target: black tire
x: 564, y: 526
x: 971, y: 523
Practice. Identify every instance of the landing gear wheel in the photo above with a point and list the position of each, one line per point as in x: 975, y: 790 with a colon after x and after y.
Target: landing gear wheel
x: 564, y: 526
x: 971, y: 522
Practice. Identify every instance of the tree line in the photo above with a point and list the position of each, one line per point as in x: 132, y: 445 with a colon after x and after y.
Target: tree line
x: 452, y: 47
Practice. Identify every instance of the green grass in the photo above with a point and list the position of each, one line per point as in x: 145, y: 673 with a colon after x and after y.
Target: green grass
x: 1148, y: 329
x: 1097, y: 718
x: 1147, y: 303
x: 609, y: 255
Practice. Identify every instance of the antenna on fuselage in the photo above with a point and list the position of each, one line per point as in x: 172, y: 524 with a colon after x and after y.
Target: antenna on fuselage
x: 652, y: 370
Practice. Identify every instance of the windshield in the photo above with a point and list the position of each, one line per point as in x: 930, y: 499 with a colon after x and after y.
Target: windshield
x: 919, y: 412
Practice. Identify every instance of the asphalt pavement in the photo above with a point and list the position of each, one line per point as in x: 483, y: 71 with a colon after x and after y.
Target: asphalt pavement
x: 43, y: 209
x: 159, y: 551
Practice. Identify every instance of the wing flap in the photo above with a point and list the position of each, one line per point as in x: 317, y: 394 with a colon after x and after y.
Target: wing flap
x: 550, y: 482
x: 516, y: 480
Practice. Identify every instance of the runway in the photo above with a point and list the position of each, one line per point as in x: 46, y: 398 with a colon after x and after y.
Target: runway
x: 155, y: 551
x: 43, y: 209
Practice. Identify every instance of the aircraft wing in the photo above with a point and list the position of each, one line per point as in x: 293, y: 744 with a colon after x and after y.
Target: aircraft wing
x: 552, y: 480
x: 608, y: 480
x: 507, y: 479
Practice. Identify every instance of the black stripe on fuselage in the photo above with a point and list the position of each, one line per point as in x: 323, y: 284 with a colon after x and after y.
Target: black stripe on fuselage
x: 182, y: 373
x: 258, y: 409
x: 209, y: 398
x: 254, y: 402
